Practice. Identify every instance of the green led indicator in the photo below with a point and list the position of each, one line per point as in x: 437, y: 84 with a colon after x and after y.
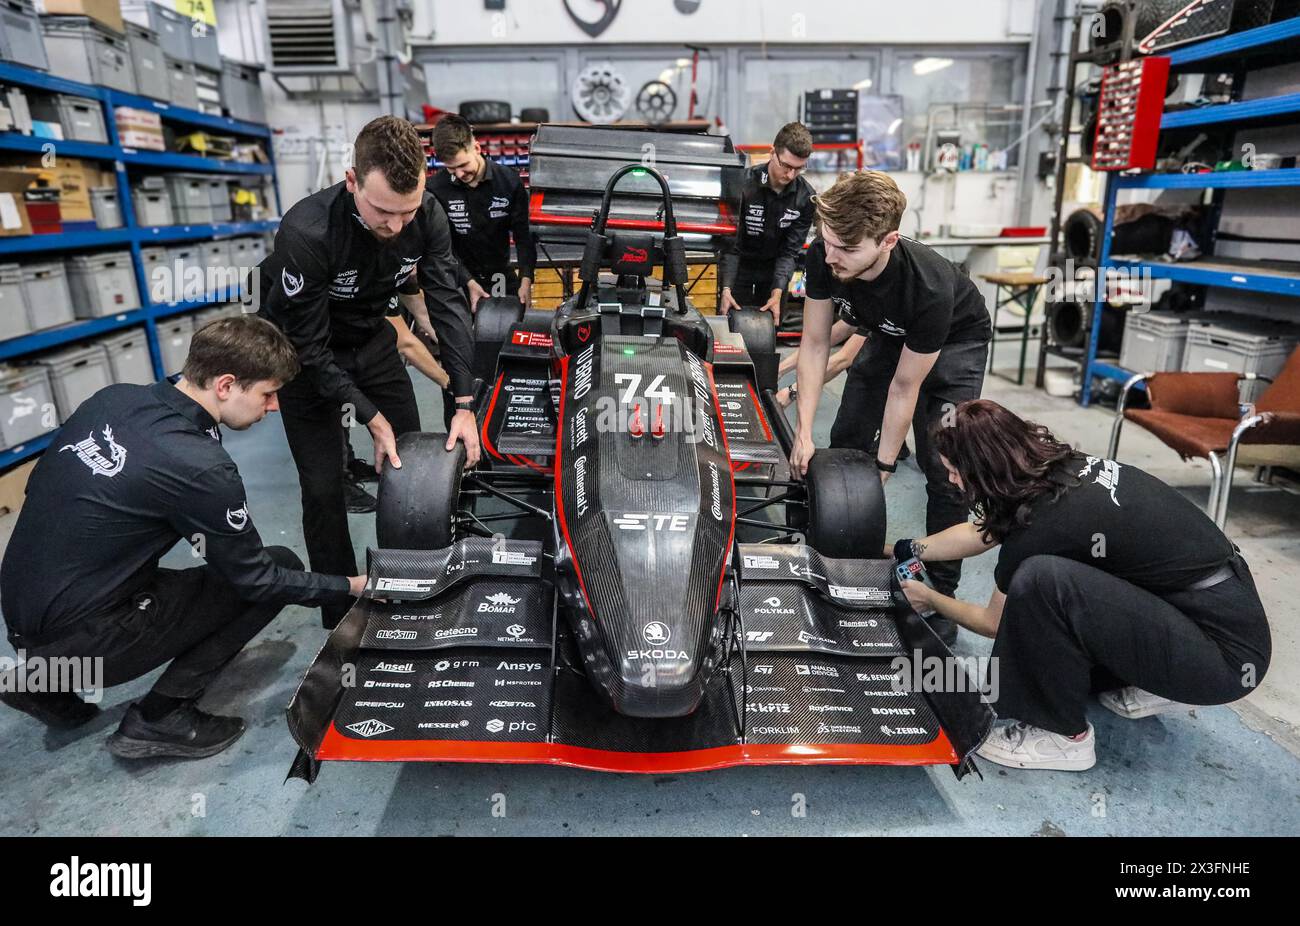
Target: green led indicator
x: 638, y: 172
x: 629, y: 351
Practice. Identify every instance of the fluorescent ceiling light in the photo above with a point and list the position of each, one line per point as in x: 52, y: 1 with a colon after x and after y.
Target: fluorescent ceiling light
x: 864, y: 84
x: 683, y: 62
x: 666, y: 76
x: 930, y: 65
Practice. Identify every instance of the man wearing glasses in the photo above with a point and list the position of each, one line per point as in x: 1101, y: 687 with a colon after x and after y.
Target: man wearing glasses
x: 776, y: 211
x: 343, y: 258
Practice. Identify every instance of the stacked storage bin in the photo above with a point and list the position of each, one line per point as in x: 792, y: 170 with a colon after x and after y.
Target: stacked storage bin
x: 174, y: 336
x: 1236, y: 344
x: 103, y: 284
x: 76, y: 373
x: 81, y: 49
x: 148, y: 61
x: 49, y: 298
x: 128, y: 357
x: 152, y: 202
x: 27, y: 408
x: 21, y: 40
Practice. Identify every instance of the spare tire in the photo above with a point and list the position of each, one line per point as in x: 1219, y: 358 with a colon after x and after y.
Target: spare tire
x: 1082, y: 235
x: 482, y: 111
x: 759, y: 334
x: 534, y: 114
x: 492, y: 323
x: 846, y: 505
x: 417, y: 503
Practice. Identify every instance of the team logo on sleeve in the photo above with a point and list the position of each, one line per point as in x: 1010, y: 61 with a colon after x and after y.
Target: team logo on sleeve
x: 292, y: 284
x: 499, y: 207
x: 90, y: 453
x: 789, y: 218
x: 237, y: 518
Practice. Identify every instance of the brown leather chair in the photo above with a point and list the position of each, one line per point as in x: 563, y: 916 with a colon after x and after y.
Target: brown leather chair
x: 1201, y: 415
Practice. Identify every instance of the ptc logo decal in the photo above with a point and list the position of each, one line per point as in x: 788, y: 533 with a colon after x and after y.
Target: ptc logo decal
x: 238, y: 518
x: 495, y: 726
x: 292, y: 284
x: 656, y: 633
x: 369, y: 728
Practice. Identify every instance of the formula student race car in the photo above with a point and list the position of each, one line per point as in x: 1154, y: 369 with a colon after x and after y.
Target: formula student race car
x: 631, y: 580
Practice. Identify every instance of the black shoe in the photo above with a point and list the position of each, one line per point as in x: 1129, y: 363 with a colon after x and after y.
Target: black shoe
x: 361, y: 471
x: 186, y: 733
x: 61, y: 710
x: 359, y: 501
x: 945, y: 629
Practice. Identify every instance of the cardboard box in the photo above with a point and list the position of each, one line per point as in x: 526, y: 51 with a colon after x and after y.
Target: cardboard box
x: 106, y: 12
x: 13, y: 209
x: 75, y: 179
x: 137, y: 138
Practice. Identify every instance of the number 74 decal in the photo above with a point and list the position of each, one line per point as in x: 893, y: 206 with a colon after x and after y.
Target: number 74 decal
x: 656, y: 390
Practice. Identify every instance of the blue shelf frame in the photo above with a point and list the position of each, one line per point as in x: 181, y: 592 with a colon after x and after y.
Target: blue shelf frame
x: 132, y: 235
x: 1243, y: 112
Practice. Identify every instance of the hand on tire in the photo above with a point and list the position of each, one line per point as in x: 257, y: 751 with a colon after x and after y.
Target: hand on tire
x: 773, y: 305
x: 783, y: 397
x: 800, y: 456
x: 356, y: 585
x: 476, y: 294
x: 727, y: 302
x: 464, y: 428
x: 381, y: 432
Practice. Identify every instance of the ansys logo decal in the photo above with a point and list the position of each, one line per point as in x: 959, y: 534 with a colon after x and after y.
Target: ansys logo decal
x: 292, y: 284
x: 369, y: 727
x: 92, y: 454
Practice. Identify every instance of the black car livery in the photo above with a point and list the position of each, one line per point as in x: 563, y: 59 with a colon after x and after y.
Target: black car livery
x: 482, y: 219
x: 330, y: 282
x: 771, y: 230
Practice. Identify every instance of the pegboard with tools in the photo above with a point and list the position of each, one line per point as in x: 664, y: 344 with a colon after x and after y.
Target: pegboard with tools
x: 1128, y: 115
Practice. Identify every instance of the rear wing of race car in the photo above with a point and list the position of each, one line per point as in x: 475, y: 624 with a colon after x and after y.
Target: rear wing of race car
x: 570, y: 165
x: 460, y: 655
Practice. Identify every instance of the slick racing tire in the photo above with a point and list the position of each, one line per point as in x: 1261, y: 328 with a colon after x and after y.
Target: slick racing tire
x: 760, y: 341
x: 417, y: 503
x: 485, y: 111
x: 846, y: 505
x: 492, y: 323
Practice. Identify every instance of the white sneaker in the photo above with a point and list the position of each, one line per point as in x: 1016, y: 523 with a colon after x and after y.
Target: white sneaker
x: 1019, y: 745
x: 1133, y: 703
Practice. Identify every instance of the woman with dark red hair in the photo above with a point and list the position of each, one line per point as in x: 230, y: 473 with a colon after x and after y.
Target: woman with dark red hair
x: 1107, y: 578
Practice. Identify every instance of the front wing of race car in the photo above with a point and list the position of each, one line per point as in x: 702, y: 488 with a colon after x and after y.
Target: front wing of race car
x: 461, y: 655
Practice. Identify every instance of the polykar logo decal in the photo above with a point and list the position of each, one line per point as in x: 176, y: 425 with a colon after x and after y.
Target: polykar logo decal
x: 368, y: 728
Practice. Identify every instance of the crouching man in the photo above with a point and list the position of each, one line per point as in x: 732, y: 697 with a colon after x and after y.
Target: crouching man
x: 134, y: 470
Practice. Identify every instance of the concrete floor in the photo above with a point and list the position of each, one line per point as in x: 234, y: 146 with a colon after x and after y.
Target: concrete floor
x: 1209, y: 771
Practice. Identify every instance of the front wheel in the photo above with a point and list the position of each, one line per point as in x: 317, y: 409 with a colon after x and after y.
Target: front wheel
x: 417, y: 503
x: 846, y: 505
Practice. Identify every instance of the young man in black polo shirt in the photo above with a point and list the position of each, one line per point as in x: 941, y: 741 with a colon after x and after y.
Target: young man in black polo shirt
x: 927, y: 333
x: 134, y: 470
x: 343, y: 258
x: 485, y: 204
x: 776, y: 211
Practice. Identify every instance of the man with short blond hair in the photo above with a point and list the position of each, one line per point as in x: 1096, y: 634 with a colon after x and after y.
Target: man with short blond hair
x: 927, y: 331
x: 776, y: 207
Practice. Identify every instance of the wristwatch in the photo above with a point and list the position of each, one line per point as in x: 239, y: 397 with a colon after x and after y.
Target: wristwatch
x: 466, y: 403
x: 886, y: 467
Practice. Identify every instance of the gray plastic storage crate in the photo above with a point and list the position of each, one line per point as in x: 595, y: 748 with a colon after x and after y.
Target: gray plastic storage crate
x: 81, y: 49
x: 191, y: 199
x: 203, y: 44
x: 153, y: 261
x: 151, y: 78
x: 173, y: 28
x: 1155, y: 341
x: 20, y: 34
x: 49, y: 300
x: 153, y: 204
x: 219, y: 198
x: 27, y: 408
x: 128, y: 357
x: 174, y: 336
x: 241, y: 90
x: 13, y: 303
x: 105, y: 206
x: 215, y: 254
x: 183, y: 89
x: 76, y: 374
x: 1240, y: 345
x: 207, y: 83
x: 103, y: 284
x: 262, y: 246
x: 242, y: 255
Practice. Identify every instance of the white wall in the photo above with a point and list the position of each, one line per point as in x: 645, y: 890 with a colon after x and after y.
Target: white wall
x: 466, y: 22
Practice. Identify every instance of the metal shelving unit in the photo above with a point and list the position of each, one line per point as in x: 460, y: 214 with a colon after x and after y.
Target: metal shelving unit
x: 132, y: 235
x: 1266, y: 46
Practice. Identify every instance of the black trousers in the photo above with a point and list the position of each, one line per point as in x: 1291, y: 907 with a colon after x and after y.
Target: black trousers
x: 958, y: 375
x: 191, y: 618
x: 1069, y: 629
x: 314, y: 428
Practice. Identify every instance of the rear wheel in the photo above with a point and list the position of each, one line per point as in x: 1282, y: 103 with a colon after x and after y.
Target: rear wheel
x: 846, y: 505
x: 492, y: 323
x: 417, y: 503
x: 760, y: 341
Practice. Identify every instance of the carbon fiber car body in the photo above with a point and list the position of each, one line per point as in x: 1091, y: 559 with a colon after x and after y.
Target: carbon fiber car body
x: 637, y: 612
